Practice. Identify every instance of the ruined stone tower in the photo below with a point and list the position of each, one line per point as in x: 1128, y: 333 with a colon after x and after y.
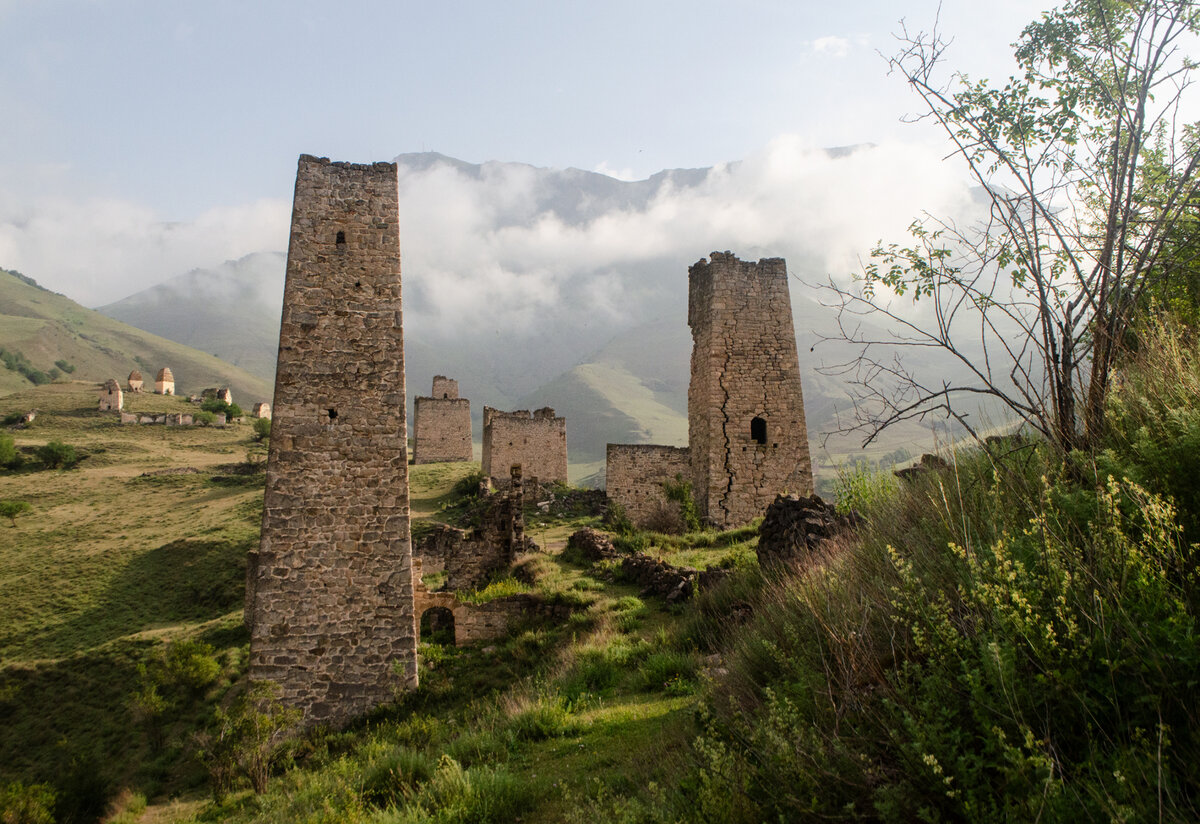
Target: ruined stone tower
x: 746, y: 430
x: 535, y: 441
x: 441, y: 424
x: 330, y: 592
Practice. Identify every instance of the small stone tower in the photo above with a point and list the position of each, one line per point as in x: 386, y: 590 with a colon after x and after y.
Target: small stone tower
x: 746, y: 429
x: 135, y: 381
x: 537, y: 441
x: 111, y: 399
x: 442, y: 424
x: 164, y: 384
x: 330, y: 591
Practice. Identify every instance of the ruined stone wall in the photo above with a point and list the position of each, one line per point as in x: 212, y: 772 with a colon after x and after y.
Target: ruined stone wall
x: 111, y: 398
x: 746, y: 428
x: 471, y: 557
x: 441, y: 427
x: 635, y: 474
x: 332, y: 617
x: 537, y: 441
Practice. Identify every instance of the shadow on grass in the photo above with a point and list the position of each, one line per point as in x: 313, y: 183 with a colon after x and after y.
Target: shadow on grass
x: 188, y: 580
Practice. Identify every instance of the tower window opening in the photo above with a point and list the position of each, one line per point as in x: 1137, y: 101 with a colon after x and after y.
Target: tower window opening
x: 341, y: 238
x: 332, y: 415
x: 758, y: 431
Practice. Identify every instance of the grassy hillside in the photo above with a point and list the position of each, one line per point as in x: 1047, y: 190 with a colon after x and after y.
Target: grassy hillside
x: 47, y: 328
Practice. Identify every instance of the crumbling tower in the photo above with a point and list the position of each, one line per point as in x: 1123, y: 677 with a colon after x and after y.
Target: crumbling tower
x: 441, y: 424
x: 746, y: 429
x: 330, y: 592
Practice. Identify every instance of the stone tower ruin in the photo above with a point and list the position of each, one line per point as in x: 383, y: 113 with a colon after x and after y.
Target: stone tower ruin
x: 747, y: 438
x: 330, y: 592
x: 535, y: 441
x: 746, y: 428
x: 441, y: 424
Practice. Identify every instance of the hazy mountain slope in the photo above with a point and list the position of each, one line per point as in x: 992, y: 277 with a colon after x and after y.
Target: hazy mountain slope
x: 231, y: 311
x: 47, y: 327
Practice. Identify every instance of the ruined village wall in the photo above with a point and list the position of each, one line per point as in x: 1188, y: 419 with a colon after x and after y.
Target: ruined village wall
x: 441, y: 429
x: 635, y: 474
x: 537, y: 441
x: 330, y: 590
x: 746, y: 427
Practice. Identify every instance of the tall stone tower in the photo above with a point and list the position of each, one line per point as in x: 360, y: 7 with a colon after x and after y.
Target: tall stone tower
x: 330, y: 592
x: 746, y: 429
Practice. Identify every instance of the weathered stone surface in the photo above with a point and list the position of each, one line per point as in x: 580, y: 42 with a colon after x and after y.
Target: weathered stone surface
x: 330, y: 591
x: 135, y: 381
x: 928, y: 463
x: 746, y: 427
x: 747, y: 438
x: 635, y: 474
x: 665, y: 580
x: 164, y: 383
x: 262, y: 409
x: 591, y: 545
x: 111, y: 399
x: 536, y: 442
x: 442, y: 424
x: 471, y: 557
x: 796, y: 525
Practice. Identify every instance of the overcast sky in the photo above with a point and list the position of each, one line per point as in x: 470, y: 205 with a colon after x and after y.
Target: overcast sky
x: 142, y: 138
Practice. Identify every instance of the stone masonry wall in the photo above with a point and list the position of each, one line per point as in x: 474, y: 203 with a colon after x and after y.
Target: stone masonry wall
x: 635, y: 474
x: 445, y: 388
x: 537, y: 441
x: 442, y: 425
x: 746, y: 428
x: 331, y: 612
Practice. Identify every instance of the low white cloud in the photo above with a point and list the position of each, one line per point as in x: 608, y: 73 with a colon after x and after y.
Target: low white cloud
x: 97, y: 251
x: 515, y: 249
x: 832, y: 45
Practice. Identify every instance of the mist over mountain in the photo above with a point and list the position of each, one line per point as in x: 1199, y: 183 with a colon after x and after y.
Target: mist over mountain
x: 568, y: 288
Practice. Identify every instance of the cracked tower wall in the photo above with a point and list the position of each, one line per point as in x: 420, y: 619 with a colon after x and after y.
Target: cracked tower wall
x: 442, y: 424
x: 746, y: 428
x: 330, y: 591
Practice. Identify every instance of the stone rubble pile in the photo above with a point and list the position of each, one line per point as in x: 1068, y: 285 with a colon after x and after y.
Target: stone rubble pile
x: 665, y: 580
x: 795, y: 525
x: 592, y: 545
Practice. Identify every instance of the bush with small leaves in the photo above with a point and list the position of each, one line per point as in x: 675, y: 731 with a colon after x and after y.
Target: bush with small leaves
x: 11, y: 509
x: 57, y: 455
x: 262, y: 429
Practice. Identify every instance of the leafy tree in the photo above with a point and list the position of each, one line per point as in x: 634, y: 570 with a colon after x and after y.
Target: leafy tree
x: 247, y: 737
x: 8, y: 452
x: 57, y: 455
x: 1037, y: 301
x: 262, y: 429
x: 11, y: 509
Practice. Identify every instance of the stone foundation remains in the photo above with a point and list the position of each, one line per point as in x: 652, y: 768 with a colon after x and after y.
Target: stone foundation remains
x: 537, y: 442
x: 330, y: 592
x: 471, y: 557
x: 442, y: 424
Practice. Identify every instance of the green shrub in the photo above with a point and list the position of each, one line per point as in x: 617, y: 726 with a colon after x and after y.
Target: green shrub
x: 57, y: 455
x: 11, y: 509
x: 679, y: 492
x: 26, y: 803
x: 668, y: 670
x: 204, y: 418
x: 247, y: 739
x: 191, y: 665
x: 468, y: 485
x: 393, y: 780
x: 65, y: 366
x: 217, y: 406
x: 859, y: 488
x: 546, y: 718
x: 262, y: 429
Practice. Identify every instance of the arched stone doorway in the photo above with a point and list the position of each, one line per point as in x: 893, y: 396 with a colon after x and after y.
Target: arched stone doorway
x: 437, y: 626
